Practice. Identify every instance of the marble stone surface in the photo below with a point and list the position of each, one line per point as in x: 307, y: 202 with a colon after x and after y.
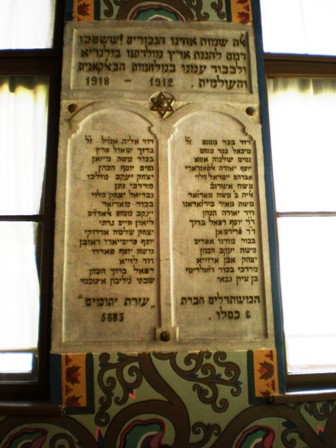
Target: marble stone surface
x: 161, y: 232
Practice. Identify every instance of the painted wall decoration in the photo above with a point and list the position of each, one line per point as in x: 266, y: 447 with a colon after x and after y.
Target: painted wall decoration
x: 77, y: 382
x: 237, y: 11
x: 185, y: 400
x: 264, y: 368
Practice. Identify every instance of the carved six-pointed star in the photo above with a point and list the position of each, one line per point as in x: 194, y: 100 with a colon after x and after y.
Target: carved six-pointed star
x: 162, y: 103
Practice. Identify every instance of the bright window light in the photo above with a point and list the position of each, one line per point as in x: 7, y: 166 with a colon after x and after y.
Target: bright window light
x: 307, y: 249
x: 302, y: 115
x: 23, y: 131
x: 299, y: 26
x: 16, y: 362
x: 19, y: 286
x: 26, y: 24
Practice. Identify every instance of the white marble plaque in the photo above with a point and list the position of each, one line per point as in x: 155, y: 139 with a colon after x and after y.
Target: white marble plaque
x: 111, y: 224
x: 193, y: 58
x: 216, y: 243
x: 161, y: 232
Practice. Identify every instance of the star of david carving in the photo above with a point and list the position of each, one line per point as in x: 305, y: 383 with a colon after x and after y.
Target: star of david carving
x: 162, y: 103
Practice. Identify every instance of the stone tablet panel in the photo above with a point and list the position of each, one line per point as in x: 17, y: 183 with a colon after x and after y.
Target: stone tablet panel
x: 161, y: 230
x: 216, y: 244
x: 194, y: 58
x: 111, y: 225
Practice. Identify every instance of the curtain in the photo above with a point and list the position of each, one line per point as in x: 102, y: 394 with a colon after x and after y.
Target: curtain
x: 19, y: 286
x: 23, y: 131
x: 26, y: 24
x: 302, y: 120
x: 299, y: 26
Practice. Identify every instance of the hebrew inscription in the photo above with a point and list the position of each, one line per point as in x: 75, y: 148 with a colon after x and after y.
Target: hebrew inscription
x: 119, y: 58
x: 216, y: 237
x: 112, y: 258
x: 161, y: 230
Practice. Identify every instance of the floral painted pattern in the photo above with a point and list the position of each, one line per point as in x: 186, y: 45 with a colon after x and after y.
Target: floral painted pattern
x: 265, y: 373
x: 74, y: 381
x: 83, y: 10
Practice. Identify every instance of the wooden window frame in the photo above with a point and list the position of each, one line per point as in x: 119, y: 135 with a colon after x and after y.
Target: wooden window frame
x: 272, y: 65
x: 301, y: 66
x: 46, y: 62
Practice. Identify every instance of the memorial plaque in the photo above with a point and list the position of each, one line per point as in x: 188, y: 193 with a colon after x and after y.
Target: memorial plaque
x: 216, y: 223
x: 161, y: 236
x: 112, y: 251
x: 186, y: 58
x: 124, y: 59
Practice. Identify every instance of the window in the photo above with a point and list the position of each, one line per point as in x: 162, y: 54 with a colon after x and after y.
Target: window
x: 23, y: 130
x: 30, y: 61
x: 299, y: 27
x: 301, y: 89
x: 27, y: 25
